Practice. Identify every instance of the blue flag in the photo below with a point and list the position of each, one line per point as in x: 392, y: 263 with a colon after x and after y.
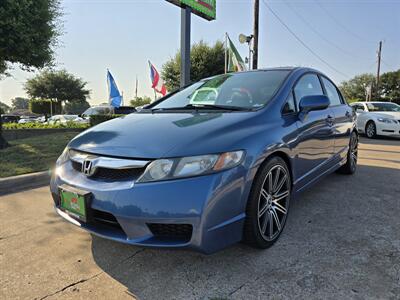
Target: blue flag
x: 115, y: 97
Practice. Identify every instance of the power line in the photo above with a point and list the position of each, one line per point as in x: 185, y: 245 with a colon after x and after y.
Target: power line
x: 341, y: 25
x: 303, y: 43
x: 372, y: 66
x: 391, y: 68
x: 317, y: 32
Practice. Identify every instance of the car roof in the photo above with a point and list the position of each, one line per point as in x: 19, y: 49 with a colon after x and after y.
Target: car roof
x: 259, y: 70
x: 287, y: 68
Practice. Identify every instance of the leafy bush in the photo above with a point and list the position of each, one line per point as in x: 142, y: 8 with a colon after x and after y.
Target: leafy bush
x: 351, y: 100
x: 76, y: 107
x: 94, y: 120
x: 44, y: 126
x: 97, y: 119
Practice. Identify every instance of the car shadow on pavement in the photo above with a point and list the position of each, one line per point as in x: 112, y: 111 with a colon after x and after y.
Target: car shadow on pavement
x: 342, y: 238
x: 380, y: 140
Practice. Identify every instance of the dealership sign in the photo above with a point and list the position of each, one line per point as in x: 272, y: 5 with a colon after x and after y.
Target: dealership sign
x: 203, y: 8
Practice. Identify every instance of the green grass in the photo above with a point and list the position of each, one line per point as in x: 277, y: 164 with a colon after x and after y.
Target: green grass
x: 33, y: 154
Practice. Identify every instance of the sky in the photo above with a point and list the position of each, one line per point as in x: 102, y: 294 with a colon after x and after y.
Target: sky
x: 123, y: 35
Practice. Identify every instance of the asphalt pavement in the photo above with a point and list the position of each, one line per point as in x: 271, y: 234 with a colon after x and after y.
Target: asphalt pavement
x: 342, y: 241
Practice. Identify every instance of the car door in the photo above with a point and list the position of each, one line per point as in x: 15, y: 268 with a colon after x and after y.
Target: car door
x: 344, y: 116
x: 315, y: 145
x: 361, y: 117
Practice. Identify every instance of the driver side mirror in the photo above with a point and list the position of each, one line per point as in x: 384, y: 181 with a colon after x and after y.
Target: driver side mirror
x: 359, y: 110
x: 310, y: 103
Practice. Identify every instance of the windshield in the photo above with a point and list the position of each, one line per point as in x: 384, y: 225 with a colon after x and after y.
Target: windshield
x: 243, y: 90
x: 383, y: 107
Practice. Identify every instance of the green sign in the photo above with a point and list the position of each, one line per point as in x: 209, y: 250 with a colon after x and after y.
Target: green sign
x: 203, y: 8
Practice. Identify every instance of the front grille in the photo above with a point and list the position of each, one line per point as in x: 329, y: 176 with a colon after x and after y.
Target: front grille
x: 77, y: 166
x: 115, y: 174
x: 171, y: 231
x: 111, y: 174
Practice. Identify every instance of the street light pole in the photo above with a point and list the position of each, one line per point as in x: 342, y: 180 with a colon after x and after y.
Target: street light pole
x: 185, y: 45
x: 255, y: 33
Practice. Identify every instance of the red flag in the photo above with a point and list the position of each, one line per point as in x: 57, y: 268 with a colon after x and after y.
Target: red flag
x: 156, y: 81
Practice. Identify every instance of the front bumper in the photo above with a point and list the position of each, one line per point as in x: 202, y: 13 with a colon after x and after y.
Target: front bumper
x: 391, y: 130
x: 209, y: 209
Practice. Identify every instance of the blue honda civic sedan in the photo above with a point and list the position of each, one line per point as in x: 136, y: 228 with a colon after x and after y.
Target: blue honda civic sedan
x: 209, y: 165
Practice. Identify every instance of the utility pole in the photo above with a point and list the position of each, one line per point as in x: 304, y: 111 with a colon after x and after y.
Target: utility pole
x: 136, y: 87
x: 185, y: 45
x: 379, y: 67
x: 255, y: 33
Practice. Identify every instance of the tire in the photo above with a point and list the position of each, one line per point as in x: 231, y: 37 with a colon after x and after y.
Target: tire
x: 350, y: 166
x: 370, y: 130
x: 268, y: 204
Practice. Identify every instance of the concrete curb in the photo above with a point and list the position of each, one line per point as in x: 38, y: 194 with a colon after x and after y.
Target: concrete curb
x: 18, y: 183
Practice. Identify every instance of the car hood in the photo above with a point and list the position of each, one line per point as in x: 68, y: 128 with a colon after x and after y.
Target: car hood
x: 387, y: 114
x: 146, y: 135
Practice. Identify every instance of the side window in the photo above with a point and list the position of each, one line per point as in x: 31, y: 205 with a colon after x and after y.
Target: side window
x: 331, y: 92
x: 308, y: 85
x: 290, y: 106
x: 359, y: 107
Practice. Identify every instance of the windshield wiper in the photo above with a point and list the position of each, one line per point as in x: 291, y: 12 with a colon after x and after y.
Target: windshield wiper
x: 203, y: 106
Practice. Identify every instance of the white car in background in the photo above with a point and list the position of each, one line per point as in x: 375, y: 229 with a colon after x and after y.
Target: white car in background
x: 378, y: 118
x: 64, y: 119
x: 26, y: 119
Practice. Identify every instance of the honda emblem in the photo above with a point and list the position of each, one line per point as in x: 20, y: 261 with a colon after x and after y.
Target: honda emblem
x: 87, y: 167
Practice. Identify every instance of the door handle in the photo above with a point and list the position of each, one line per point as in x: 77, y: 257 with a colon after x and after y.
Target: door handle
x: 329, y: 120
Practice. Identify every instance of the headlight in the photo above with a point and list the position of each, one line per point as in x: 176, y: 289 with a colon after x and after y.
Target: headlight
x: 63, y: 157
x: 387, y: 121
x: 164, y: 169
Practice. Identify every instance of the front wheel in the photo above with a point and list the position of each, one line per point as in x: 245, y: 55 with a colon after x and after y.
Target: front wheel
x: 268, y: 204
x: 352, y: 156
x: 370, y: 130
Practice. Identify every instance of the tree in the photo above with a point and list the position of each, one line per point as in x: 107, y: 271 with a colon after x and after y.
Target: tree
x: 42, y: 107
x: 140, y: 101
x: 205, y: 61
x: 29, y: 31
x: 4, y: 108
x: 20, y: 103
x: 76, y: 107
x: 355, y: 88
x: 389, y: 86
x: 58, y: 86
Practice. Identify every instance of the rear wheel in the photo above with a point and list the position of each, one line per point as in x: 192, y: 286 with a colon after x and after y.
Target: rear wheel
x: 268, y: 204
x: 352, y: 156
x: 370, y: 130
